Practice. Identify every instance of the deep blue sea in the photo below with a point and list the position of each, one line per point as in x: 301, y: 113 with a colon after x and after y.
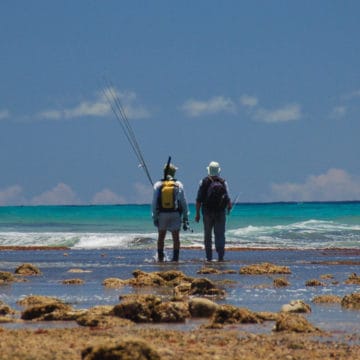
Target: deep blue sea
x: 266, y: 225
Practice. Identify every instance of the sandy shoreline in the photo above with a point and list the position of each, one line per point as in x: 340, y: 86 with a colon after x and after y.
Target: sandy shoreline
x: 233, y: 341
x: 56, y: 344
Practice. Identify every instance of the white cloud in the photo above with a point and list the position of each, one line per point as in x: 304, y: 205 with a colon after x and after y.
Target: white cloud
x: 107, y: 197
x: 339, y: 112
x: 214, y: 105
x: 99, y: 107
x: 61, y: 194
x: 4, y: 114
x: 353, y: 95
x: 51, y: 115
x: 289, y: 112
x: 248, y: 101
x: 12, y: 195
x: 143, y: 193
x: 334, y: 185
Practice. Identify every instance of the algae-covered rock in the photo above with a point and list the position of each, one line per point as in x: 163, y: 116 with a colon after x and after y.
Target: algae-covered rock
x: 101, y: 317
x: 229, y: 314
x: 200, y: 307
x: 173, y: 277
x: 113, y: 283
x: 326, y: 299
x: 127, y: 349
x: 138, y: 308
x: 353, y: 279
x: 351, y: 301
x: 208, y: 270
x: 142, y: 278
x: 212, y: 270
x: 205, y: 287
x: 264, y: 268
x: 7, y: 319
x: 73, y: 282
x: 47, y: 308
x: 280, y: 282
x: 27, y: 270
x: 327, y: 276
x: 294, y: 323
x: 32, y: 300
x: 168, y: 278
x: 314, y: 282
x: 296, y: 306
x: 267, y: 315
x: 183, y: 289
x: 150, y: 308
x: 171, y: 312
x: 6, y: 309
x: 50, y: 311
x: 6, y: 277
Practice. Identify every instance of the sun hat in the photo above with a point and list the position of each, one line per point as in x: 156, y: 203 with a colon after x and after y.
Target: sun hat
x: 213, y: 168
x: 169, y: 170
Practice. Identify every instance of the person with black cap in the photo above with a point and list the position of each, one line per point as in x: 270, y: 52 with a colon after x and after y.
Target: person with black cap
x: 169, y: 207
x: 213, y: 199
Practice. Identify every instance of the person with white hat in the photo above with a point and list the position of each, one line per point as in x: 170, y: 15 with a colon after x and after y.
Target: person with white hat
x: 213, y: 200
x: 169, y: 205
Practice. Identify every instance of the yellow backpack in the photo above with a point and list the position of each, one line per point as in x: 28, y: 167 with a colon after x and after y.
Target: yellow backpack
x: 167, y: 196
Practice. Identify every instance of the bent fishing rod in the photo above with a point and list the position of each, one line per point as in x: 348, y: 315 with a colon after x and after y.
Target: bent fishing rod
x: 234, y: 202
x: 120, y: 115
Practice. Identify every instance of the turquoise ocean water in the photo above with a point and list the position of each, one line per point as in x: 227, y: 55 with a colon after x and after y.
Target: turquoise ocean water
x: 113, y: 241
x: 267, y: 225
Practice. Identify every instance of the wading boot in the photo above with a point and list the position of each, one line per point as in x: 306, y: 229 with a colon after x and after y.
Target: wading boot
x: 175, y: 255
x: 160, y: 255
x: 221, y: 253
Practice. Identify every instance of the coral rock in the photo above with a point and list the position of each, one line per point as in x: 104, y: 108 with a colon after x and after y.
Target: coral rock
x: 294, y: 323
x: 125, y: 349
x: 296, y: 306
x: 351, y: 301
x: 200, y: 307
x: 27, y: 270
x: 264, y: 268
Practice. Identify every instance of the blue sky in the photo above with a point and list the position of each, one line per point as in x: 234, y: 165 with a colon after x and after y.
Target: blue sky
x: 269, y: 89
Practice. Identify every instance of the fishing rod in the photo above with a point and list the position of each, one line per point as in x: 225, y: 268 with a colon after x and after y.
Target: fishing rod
x: 234, y: 202
x: 120, y: 115
x: 167, y: 167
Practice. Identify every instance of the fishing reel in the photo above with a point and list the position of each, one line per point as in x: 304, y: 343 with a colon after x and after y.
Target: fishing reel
x: 186, y: 226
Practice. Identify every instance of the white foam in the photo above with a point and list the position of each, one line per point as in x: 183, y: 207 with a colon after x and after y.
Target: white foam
x: 306, y: 234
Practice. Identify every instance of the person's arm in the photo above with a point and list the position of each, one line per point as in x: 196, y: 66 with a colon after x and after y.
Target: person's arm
x: 197, y: 214
x: 199, y: 199
x: 154, y: 205
x: 183, y: 203
x: 229, y: 203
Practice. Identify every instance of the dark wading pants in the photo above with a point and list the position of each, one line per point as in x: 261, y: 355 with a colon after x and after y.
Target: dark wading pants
x: 214, y: 222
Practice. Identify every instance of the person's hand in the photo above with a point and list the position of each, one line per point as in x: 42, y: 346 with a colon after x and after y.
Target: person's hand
x: 156, y: 222
x: 197, y: 218
x: 185, y: 224
x: 229, y: 207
